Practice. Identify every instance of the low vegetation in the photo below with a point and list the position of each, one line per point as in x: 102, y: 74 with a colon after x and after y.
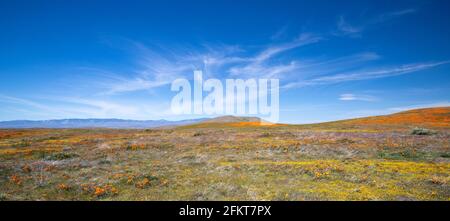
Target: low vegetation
x: 229, y: 161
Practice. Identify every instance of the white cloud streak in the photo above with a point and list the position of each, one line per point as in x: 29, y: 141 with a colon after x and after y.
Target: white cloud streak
x: 354, y: 97
x: 392, y: 15
x: 365, y: 75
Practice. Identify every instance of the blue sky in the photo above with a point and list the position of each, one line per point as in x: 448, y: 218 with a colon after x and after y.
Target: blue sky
x: 117, y: 59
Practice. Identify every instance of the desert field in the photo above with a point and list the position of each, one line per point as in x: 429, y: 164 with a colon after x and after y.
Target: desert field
x: 404, y: 156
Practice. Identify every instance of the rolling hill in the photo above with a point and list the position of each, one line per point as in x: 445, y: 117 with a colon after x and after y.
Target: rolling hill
x: 427, y: 117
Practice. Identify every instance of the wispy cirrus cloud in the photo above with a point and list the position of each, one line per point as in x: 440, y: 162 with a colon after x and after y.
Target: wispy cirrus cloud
x: 75, y: 107
x: 260, y: 66
x: 346, y: 28
x: 379, y: 73
x: 31, y: 107
x: 392, y: 15
x: 280, y: 33
x: 327, y: 66
x: 21, y: 101
x: 303, y: 39
x: 225, y: 61
x: 156, y: 69
x: 159, y: 67
x: 366, y: 74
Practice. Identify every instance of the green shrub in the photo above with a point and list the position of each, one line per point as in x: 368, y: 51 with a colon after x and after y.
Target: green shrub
x: 422, y: 131
x: 265, y: 134
x: 445, y: 155
x: 3, y: 197
x: 197, y: 134
x: 61, y: 156
x: 22, y: 143
x: 404, y: 155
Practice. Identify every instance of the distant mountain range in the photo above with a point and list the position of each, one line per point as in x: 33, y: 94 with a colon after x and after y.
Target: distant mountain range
x: 115, y: 123
x: 95, y: 123
x: 433, y: 117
